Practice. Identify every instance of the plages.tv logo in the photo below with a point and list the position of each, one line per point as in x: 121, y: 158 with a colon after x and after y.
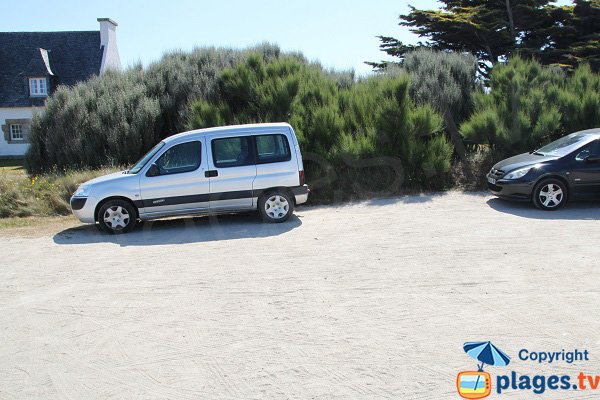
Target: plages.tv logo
x: 478, y: 384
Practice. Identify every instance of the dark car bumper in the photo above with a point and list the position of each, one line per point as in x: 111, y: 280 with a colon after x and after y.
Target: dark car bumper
x: 517, y: 190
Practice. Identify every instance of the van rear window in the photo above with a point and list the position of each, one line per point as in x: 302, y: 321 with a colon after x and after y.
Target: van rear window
x: 272, y: 148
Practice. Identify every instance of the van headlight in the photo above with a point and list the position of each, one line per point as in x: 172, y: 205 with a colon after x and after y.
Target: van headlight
x: 517, y: 173
x: 82, y: 191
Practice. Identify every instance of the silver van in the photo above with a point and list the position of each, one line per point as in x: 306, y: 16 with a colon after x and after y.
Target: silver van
x: 206, y: 171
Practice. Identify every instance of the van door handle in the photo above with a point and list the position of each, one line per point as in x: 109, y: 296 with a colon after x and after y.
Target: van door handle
x: 211, y: 173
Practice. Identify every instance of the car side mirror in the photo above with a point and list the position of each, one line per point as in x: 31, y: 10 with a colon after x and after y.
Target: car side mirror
x: 592, y: 158
x: 153, y: 170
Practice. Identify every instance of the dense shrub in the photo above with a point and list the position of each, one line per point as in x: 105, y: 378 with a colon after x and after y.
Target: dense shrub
x: 182, y: 77
x: 106, y: 121
x: 379, y: 135
x: 370, y: 127
x: 528, y: 105
x: 445, y: 80
x: 113, y: 119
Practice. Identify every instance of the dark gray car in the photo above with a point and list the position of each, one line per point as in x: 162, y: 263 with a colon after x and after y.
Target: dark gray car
x: 568, y: 168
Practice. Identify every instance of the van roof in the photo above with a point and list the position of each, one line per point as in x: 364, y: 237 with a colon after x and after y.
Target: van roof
x: 246, y: 127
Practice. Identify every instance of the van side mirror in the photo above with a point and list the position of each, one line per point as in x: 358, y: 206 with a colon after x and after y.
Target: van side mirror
x: 153, y: 170
x: 592, y: 158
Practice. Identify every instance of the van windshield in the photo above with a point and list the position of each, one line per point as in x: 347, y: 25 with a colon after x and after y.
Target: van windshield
x: 144, y: 160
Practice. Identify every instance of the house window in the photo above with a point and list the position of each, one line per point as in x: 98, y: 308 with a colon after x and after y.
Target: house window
x: 38, y: 87
x: 16, y: 132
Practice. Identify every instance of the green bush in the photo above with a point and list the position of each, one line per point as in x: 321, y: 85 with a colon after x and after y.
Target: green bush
x: 368, y: 129
x: 361, y: 128
x: 106, y: 121
x: 528, y: 105
x: 446, y: 81
x: 115, y: 118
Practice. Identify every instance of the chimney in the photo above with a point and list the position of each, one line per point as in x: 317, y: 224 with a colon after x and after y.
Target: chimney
x: 108, y: 42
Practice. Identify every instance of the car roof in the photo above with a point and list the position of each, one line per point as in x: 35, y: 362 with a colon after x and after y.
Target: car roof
x: 264, y: 127
x: 594, y: 132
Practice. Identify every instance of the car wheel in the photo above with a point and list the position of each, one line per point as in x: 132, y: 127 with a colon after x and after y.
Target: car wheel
x: 117, y: 216
x: 276, y: 206
x: 550, y: 195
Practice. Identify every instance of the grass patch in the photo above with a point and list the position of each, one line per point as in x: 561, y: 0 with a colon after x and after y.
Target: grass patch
x: 6, y: 223
x: 16, y: 222
x: 40, y: 196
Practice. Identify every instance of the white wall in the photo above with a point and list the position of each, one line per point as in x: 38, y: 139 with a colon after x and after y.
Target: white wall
x: 15, y: 149
x: 108, y: 39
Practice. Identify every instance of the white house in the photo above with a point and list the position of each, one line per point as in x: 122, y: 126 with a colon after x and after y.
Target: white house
x: 33, y: 64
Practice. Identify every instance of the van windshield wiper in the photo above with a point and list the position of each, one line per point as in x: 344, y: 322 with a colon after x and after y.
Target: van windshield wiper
x: 537, y: 153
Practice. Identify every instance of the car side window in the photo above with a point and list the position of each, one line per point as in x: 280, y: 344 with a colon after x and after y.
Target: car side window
x: 583, y: 153
x: 184, y: 157
x: 232, y: 152
x: 591, y: 149
x: 272, y: 149
x: 595, y: 151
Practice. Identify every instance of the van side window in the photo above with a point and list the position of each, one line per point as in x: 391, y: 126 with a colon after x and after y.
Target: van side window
x: 184, y: 157
x: 232, y: 152
x: 272, y: 149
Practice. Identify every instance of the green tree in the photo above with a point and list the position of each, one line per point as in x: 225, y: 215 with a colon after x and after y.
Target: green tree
x: 575, y: 37
x: 529, y: 105
x: 494, y: 30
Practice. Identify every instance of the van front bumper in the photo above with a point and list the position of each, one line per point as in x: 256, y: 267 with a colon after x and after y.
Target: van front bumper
x: 301, y: 193
x: 83, y: 208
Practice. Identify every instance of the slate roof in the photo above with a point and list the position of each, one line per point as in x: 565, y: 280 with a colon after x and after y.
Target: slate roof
x: 64, y: 57
x: 39, y: 64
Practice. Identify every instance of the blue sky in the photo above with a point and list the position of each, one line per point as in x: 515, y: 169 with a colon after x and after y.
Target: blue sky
x: 340, y: 34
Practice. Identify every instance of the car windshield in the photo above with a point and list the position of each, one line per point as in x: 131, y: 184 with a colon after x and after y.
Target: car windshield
x: 564, y: 145
x: 144, y: 160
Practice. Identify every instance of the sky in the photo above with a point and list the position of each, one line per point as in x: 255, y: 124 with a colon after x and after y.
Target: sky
x: 340, y: 34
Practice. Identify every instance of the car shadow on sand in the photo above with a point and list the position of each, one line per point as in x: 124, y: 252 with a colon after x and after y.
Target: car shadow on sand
x: 181, y: 231
x: 407, y: 199
x: 581, y: 210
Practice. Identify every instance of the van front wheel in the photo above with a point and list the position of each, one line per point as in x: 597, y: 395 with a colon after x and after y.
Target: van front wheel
x: 276, y: 206
x: 116, y: 216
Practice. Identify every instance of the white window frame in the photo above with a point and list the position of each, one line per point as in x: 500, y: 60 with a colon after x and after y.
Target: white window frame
x: 38, y: 87
x: 16, y: 132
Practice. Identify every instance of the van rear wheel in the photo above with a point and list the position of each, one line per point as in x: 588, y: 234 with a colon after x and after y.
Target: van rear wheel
x: 275, y: 206
x: 117, y: 216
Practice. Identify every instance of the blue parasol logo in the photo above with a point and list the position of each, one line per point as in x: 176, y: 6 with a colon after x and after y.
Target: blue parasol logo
x: 486, y: 353
x: 478, y: 384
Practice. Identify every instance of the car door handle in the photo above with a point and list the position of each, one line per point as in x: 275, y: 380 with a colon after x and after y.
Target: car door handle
x: 211, y: 173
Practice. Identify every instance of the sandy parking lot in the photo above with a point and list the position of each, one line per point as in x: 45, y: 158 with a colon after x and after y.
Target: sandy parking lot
x: 362, y: 301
